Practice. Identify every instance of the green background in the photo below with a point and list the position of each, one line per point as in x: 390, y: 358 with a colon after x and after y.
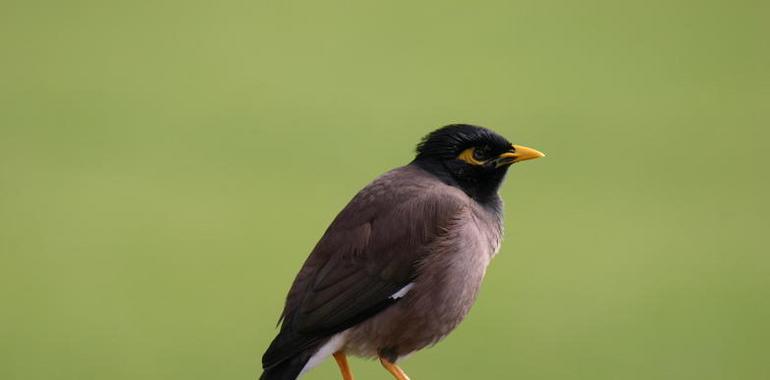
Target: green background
x: 166, y: 166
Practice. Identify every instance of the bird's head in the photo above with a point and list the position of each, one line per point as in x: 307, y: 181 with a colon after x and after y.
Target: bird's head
x: 472, y: 158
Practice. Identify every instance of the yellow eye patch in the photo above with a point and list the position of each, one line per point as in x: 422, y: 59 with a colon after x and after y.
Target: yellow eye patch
x: 467, y: 156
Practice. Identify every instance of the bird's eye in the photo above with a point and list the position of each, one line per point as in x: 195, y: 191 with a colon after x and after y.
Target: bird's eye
x: 475, y: 155
x: 480, y: 154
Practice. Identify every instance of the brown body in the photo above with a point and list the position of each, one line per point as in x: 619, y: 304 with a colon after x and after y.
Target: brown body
x: 449, y: 260
x: 447, y: 282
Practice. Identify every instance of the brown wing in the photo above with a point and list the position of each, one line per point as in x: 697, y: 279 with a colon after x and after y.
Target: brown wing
x: 367, y: 254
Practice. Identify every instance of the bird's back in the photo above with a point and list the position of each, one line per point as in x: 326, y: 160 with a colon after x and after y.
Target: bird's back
x: 444, y: 288
x: 369, y: 252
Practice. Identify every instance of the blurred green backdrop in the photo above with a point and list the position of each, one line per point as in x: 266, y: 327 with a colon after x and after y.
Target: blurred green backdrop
x: 166, y: 166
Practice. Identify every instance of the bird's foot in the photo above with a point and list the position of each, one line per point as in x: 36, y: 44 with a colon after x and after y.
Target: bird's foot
x: 394, y: 370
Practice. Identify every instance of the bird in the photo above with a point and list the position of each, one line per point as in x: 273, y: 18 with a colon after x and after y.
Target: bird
x: 401, y: 265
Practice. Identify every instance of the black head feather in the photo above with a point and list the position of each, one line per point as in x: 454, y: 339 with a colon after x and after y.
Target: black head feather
x: 447, y: 142
x: 438, y: 154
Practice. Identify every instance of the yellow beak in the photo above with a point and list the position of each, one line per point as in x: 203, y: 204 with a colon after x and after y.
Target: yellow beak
x: 522, y: 153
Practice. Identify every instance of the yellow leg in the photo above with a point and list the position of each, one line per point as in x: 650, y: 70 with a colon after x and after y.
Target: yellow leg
x: 394, y: 370
x: 342, y: 362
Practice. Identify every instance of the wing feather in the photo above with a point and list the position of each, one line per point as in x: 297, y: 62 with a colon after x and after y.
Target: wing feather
x: 368, y: 253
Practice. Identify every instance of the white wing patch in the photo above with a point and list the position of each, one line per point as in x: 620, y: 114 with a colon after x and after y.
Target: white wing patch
x: 333, y: 345
x: 402, y: 292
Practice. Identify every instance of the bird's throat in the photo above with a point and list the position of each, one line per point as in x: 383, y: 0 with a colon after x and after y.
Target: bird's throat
x: 481, y: 188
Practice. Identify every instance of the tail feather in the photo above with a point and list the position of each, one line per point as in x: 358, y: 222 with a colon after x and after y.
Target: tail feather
x: 290, y: 368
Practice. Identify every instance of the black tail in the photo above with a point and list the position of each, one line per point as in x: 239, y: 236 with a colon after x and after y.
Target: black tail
x: 290, y: 368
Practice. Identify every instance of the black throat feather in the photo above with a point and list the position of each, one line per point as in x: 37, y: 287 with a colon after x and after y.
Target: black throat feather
x: 483, y: 190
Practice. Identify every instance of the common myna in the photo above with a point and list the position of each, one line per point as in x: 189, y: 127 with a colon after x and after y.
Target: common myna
x: 400, y: 266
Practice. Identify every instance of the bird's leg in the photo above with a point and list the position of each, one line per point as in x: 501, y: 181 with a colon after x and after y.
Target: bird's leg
x: 342, y: 362
x: 394, y: 370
